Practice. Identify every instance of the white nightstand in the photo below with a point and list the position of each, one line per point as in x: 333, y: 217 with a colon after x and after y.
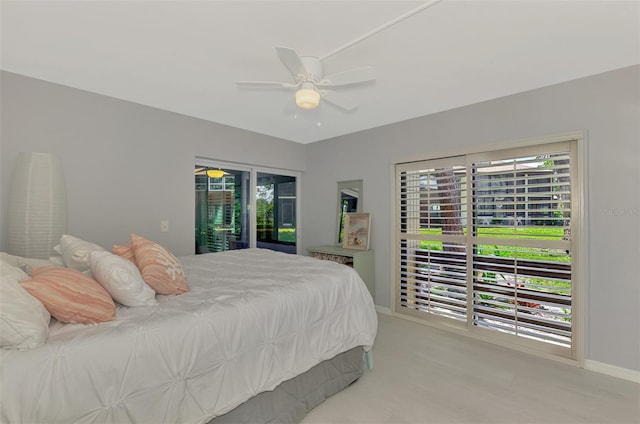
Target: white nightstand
x: 360, y: 260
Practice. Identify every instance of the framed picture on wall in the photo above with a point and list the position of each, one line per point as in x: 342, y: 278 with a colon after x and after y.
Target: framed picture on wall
x: 357, y: 229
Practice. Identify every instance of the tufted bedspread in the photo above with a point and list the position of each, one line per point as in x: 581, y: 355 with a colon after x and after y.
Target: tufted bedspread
x: 253, y: 319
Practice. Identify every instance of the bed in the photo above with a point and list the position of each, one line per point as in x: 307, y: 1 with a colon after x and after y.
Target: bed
x: 261, y: 336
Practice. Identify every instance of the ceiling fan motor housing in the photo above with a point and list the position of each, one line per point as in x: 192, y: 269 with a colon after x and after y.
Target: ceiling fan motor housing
x: 314, y: 67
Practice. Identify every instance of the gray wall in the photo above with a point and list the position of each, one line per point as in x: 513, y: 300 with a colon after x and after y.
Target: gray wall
x: 606, y: 106
x: 127, y: 166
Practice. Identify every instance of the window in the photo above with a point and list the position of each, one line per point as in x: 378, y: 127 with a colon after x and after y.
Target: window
x: 485, y: 244
x: 225, y: 195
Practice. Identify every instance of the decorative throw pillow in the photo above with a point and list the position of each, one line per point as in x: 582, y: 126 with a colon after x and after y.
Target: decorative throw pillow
x: 24, y: 321
x: 9, y: 270
x: 159, y: 268
x: 56, y: 260
x: 29, y: 264
x: 12, y: 260
x: 122, y: 279
x: 25, y: 264
x: 71, y: 296
x: 75, y: 252
x: 125, y: 250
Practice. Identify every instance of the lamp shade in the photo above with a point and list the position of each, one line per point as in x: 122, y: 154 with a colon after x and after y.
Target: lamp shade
x: 307, y: 98
x: 37, y: 205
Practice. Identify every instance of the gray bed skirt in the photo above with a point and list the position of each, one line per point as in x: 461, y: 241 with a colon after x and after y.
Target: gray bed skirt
x: 293, y: 399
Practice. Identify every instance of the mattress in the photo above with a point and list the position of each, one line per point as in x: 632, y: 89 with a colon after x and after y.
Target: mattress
x: 252, y: 319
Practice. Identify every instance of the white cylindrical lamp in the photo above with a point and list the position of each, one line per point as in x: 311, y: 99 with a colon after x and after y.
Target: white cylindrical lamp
x: 37, y: 215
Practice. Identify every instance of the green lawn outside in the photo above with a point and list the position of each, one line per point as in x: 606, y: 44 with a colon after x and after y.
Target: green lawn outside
x: 540, y: 233
x: 287, y: 234
x: 537, y: 254
x: 547, y: 233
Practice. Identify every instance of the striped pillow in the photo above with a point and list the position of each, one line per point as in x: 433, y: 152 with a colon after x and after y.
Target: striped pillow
x: 125, y: 251
x: 71, y: 296
x: 159, y: 268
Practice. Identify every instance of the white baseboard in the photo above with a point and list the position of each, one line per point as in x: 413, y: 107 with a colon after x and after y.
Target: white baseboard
x: 383, y: 310
x: 612, y: 370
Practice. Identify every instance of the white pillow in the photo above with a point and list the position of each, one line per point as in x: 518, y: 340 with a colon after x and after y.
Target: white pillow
x: 9, y: 270
x: 10, y: 259
x: 122, y: 279
x: 57, y: 260
x: 75, y: 252
x: 24, y: 321
x: 26, y: 264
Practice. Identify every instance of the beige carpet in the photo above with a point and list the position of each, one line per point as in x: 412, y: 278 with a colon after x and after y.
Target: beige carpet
x: 424, y: 375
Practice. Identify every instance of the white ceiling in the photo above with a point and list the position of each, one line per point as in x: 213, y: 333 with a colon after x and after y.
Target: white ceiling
x: 185, y: 56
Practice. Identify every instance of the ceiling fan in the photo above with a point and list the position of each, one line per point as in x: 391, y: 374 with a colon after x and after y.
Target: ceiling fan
x: 311, y: 83
x: 308, y: 72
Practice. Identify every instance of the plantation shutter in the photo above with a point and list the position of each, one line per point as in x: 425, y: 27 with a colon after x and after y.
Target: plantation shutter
x: 433, y: 269
x: 485, y: 243
x: 521, y: 242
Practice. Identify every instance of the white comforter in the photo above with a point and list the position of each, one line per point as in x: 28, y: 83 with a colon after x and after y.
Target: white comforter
x: 252, y: 319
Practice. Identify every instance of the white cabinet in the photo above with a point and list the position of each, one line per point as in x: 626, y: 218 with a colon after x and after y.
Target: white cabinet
x: 360, y: 260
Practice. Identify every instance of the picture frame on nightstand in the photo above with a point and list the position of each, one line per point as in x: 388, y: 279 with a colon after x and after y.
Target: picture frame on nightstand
x: 357, y: 231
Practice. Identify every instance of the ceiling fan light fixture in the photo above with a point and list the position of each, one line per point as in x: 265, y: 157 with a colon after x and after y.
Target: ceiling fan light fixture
x: 307, y: 98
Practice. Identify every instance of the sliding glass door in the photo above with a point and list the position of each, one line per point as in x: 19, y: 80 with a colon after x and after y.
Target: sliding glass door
x: 276, y: 212
x: 225, y: 195
x: 487, y: 242
x: 222, y: 213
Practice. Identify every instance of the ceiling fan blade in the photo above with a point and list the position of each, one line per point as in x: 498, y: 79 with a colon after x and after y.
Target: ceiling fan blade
x: 339, y: 100
x: 353, y: 76
x: 266, y: 84
x: 293, y: 63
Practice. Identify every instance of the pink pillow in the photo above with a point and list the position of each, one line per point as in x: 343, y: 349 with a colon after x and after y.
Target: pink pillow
x: 71, y: 296
x: 159, y: 268
x: 126, y: 251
